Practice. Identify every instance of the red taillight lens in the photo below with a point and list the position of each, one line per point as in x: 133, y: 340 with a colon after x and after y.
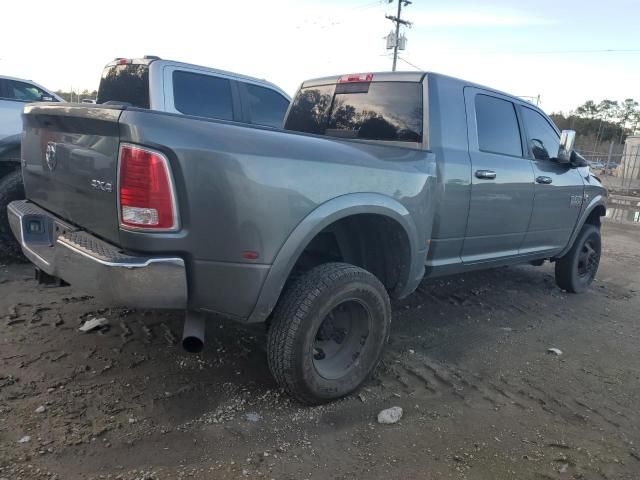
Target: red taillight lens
x: 356, y: 77
x: 147, y: 199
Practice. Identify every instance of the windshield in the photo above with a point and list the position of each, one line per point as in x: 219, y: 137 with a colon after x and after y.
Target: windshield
x: 374, y: 111
x: 128, y: 83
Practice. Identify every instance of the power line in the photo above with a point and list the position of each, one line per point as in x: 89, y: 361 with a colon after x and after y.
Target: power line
x: 409, y: 63
x: 541, y: 52
x: 367, y: 5
x: 398, y: 20
x: 333, y: 21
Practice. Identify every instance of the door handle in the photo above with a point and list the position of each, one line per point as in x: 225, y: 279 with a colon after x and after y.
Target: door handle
x: 486, y: 174
x: 544, y: 180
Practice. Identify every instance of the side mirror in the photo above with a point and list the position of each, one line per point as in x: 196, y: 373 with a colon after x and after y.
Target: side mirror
x: 567, y: 140
x: 46, y: 98
x: 578, y: 160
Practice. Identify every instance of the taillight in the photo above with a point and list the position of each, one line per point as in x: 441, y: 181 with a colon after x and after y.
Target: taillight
x: 356, y: 77
x: 147, y: 198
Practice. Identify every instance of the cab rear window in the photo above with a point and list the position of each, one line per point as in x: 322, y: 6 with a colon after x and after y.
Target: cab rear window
x: 127, y: 83
x: 372, y: 111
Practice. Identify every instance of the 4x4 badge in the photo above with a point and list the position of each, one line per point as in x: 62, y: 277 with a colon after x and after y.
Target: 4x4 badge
x: 576, y: 201
x: 50, y: 156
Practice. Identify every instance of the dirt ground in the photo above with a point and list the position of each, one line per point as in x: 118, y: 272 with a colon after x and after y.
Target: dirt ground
x: 468, y: 363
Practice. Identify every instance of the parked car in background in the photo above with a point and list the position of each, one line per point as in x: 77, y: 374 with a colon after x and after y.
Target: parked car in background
x: 185, y: 89
x: 149, y: 83
x: 376, y: 181
x: 14, y: 94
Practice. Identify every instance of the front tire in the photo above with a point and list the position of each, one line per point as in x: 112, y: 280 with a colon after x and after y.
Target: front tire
x: 11, y: 188
x: 328, y: 332
x: 577, y: 269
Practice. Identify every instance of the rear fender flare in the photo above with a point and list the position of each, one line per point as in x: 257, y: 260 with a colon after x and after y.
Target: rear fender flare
x: 323, y: 216
x: 10, y: 149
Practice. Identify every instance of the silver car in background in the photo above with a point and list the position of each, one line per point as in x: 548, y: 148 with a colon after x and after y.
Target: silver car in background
x: 14, y: 94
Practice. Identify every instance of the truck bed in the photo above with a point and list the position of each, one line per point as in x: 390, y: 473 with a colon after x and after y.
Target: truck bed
x: 239, y: 188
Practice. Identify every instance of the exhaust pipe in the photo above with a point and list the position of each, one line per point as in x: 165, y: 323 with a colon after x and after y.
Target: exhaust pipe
x: 193, y: 333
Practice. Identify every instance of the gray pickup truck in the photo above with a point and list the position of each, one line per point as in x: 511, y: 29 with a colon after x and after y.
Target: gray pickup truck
x: 376, y: 181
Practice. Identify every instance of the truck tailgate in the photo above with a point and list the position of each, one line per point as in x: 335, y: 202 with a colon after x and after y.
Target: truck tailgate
x: 70, y: 161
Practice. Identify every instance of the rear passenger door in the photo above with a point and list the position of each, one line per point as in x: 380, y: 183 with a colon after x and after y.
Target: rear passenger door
x: 262, y: 105
x: 502, y: 184
x: 202, y: 94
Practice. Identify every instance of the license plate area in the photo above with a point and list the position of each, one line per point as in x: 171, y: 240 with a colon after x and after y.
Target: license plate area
x: 37, y: 229
x: 42, y: 229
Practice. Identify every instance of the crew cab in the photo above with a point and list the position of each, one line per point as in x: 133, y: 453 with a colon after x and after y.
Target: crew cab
x: 376, y: 181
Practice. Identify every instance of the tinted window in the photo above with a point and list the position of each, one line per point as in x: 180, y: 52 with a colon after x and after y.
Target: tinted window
x: 309, y: 110
x: 202, y: 95
x: 373, y: 111
x: 127, y: 83
x: 266, y: 106
x: 24, y: 92
x: 498, y: 130
x: 543, y: 139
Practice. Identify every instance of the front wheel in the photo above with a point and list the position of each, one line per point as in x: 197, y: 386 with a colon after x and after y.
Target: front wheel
x: 328, y: 332
x: 577, y: 269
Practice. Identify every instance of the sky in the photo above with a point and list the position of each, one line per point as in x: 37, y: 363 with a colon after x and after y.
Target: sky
x: 565, y: 51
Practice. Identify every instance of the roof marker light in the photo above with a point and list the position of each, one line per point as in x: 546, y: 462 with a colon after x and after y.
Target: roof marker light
x: 356, y: 77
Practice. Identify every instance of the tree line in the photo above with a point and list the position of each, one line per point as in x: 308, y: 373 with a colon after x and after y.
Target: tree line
x: 77, y: 96
x: 599, y: 124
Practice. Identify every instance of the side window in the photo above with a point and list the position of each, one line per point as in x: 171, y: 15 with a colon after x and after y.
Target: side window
x: 543, y: 139
x: 202, y: 95
x: 498, y: 130
x: 3, y: 88
x: 266, y: 106
x: 24, y: 91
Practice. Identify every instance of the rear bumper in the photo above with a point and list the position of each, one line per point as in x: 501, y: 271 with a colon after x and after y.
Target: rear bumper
x: 96, y: 266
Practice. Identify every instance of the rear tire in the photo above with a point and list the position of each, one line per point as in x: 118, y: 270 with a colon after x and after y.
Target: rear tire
x: 11, y: 188
x: 577, y: 269
x: 328, y: 332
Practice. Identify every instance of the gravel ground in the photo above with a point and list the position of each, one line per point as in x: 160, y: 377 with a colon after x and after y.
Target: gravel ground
x: 468, y: 362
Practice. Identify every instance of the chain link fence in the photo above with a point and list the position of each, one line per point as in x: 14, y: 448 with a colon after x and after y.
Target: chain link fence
x: 618, y: 168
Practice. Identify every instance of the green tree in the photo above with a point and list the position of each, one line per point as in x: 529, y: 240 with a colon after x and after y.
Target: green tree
x: 588, y: 109
x: 628, y: 115
x: 608, y: 110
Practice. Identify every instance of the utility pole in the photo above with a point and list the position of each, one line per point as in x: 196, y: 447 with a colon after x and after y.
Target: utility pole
x: 398, y: 20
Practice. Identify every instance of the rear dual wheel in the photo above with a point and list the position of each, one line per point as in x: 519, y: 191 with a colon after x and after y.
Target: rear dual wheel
x: 11, y: 188
x: 328, y: 332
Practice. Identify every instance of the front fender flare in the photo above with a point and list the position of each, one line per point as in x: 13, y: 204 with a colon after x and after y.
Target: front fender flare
x: 599, y: 200
x: 323, y: 216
